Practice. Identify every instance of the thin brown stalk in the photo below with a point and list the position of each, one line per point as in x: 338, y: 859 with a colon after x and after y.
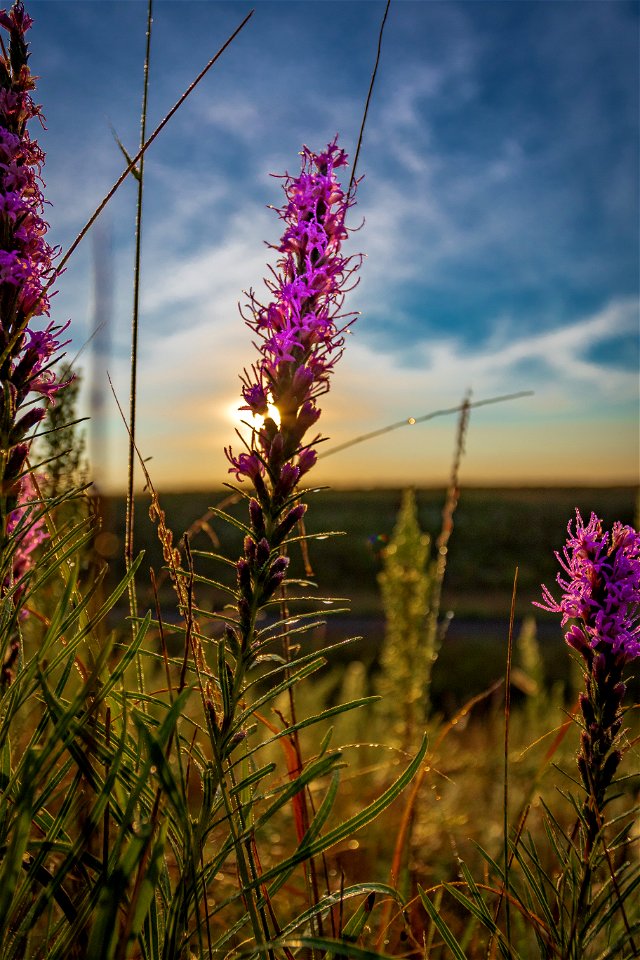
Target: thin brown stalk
x: 171, y: 557
x: 163, y: 639
x: 267, y: 899
x: 528, y: 915
x: 412, y: 421
x: 505, y: 894
x: 442, y: 543
x: 206, y: 903
x: 368, y: 100
x: 131, y: 166
x: 155, y: 812
x: 125, y: 933
x: 107, y: 809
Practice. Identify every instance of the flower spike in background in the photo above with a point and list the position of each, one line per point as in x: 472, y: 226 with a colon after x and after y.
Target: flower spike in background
x: 601, y: 596
x: 26, y: 355
x: 602, y: 593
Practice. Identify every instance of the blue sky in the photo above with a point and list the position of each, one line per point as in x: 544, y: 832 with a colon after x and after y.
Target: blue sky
x: 500, y: 209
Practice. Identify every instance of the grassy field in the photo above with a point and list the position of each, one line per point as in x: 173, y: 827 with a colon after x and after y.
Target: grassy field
x: 496, y: 530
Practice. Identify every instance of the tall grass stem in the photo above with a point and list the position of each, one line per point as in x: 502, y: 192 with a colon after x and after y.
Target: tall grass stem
x: 412, y: 421
x: 132, y: 164
x: 505, y: 803
x: 368, y: 100
x: 434, y: 632
x: 130, y: 515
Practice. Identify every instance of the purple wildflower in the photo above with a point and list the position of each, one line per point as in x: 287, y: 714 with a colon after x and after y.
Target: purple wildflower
x: 300, y: 337
x: 28, y: 533
x: 602, y: 593
x: 602, y: 598
x: 301, y: 331
x: 28, y: 354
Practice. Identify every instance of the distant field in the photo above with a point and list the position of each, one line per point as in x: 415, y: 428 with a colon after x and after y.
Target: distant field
x: 496, y: 530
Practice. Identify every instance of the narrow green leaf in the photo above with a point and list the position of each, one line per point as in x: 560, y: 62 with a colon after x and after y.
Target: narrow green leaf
x: 356, y: 923
x: 312, y: 771
x: 253, y: 778
x: 325, y: 944
x: 441, y: 926
x: 350, y: 826
x: 12, y: 862
x: 5, y: 765
x: 310, y: 721
x: 334, y: 899
x: 135, y: 171
x: 149, y: 884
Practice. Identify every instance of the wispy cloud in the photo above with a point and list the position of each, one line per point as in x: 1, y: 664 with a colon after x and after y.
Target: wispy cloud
x: 236, y: 114
x: 556, y: 360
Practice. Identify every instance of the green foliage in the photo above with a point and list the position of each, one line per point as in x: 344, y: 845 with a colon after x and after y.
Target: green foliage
x: 131, y: 822
x: 61, y: 445
x: 170, y: 824
x: 530, y: 677
x: 406, y: 657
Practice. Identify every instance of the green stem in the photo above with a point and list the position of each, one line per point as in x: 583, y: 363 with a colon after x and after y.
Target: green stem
x: 258, y: 921
x: 129, y: 527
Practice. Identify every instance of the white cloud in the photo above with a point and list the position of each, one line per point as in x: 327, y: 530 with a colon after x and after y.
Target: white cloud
x: 443, y: 368
x: 212, y: 274
x: 235, y: 114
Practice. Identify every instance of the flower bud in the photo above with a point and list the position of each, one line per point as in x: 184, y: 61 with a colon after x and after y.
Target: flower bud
x: 619, y: 690
x: 285, y: 526
x: 599, y: 668
x: 257, y: 518
x: 231, y: 639
x: 609, y: 768
x: 302, y: 381
x: 587, y: 709
x: 263, y: 552
x: 249, y: 546
x: 243, y: 570
x: 276, y: 451
x: 306, y: 460
x: 25, y: 423
x: 286, y: 483
x: 276, y: 576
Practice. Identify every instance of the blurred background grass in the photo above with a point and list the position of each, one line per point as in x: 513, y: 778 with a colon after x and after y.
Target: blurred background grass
x: 496, y: 530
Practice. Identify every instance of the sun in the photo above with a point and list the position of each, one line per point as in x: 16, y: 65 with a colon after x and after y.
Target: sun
x: 244, y: 421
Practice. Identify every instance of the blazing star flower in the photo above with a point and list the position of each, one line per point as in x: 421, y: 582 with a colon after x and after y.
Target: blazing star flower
x: 28, y: 533
x: 301, y: 331
x: 300, y: 337
x: 28, y: 354
x: 602, y: 593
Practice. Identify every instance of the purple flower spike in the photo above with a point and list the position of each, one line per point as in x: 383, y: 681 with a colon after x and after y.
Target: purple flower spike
x: 602, y: 592
x: 300, y: 336
x: 26, y: 266
x: 301, y: 331
x: 601, y: 598
x: 28, y: 533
